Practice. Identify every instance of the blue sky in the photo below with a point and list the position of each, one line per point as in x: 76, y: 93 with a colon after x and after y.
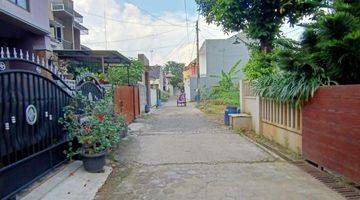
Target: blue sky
x: 159, y: 7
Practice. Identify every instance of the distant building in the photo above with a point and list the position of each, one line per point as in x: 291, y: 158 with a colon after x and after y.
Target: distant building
x: 156, y: 77
x: 190, y: 72
x: 167, y: 84
x: 25, y: 25
x: 218, y: 55
x: 65, y: 25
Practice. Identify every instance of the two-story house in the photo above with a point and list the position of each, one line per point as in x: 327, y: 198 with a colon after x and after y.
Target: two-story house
x: 24, y: 24
x: 40, y: 26
x: 65, y: 25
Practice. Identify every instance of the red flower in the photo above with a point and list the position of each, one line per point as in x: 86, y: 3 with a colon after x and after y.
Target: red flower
x: 101, y: 117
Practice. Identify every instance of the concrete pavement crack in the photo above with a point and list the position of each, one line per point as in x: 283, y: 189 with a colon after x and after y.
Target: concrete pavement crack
x: 206, y: 163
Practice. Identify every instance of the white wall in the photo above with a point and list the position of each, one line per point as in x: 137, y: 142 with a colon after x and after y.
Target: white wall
x: 218, y: 55
x: 251, y: 105
x: 142, y: 96
x: 153, y: 95
x: 202, y: 60
x: 187, y: 89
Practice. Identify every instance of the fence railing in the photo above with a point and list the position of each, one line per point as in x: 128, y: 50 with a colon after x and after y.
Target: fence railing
x: 283, y: 114
x: 247, y: 91
x: 42, y: 63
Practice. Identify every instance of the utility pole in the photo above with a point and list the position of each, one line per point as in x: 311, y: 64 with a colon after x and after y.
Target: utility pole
x: 197, y: 63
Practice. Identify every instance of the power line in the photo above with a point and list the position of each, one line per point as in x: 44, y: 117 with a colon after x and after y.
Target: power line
x: 126, y: 22
x: 186, y: 18
x: 192, y: 51
x: 134, y: 38
x: 180, y: 44
x: 156, y: 17
x: 148, y: 49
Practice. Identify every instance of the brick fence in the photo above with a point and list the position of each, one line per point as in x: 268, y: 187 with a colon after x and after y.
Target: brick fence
x: 331, y: 130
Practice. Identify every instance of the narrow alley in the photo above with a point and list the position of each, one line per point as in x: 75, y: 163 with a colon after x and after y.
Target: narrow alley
x: 177, y: 153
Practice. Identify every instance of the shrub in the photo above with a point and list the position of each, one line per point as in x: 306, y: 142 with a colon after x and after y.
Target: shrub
x: 259, y: 64
x: 93, y: 124
x: 226, y: 90
x: 327, y: 54
x: 126, y: 74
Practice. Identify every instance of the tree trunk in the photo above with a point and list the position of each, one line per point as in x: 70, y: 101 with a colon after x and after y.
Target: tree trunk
x: 265, y: 45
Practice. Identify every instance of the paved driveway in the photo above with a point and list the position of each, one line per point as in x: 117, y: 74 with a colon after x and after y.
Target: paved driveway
x: 176, y: 153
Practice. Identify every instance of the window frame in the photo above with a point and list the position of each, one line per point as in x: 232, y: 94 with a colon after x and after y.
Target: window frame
x: 15, y: 2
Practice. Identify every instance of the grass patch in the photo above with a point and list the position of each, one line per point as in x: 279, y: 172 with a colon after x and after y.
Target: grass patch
x: 212, y: 107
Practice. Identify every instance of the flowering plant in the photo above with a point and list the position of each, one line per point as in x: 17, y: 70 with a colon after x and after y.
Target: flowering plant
x: 93, y: 124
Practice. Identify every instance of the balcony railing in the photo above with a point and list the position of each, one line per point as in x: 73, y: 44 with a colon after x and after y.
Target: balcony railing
x: 78, y: 18
x: 83, y: 30
x: 67, y: 45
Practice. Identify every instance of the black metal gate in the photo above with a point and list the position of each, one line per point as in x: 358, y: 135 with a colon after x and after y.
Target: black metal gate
x: 89, y: 86
x: 32, y: 142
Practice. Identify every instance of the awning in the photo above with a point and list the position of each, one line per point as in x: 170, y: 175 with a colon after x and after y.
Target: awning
x: 101, y: 56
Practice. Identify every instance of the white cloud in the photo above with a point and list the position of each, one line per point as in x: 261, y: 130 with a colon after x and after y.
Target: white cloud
x: 156, y: 38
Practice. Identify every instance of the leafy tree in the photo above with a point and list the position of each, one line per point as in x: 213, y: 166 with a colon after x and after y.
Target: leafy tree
x: 119, y: 75
x: 328, y: 53
x: 333, y: 41
x: 259, y: 19
x: 258, y: 65
x: 175, y: 69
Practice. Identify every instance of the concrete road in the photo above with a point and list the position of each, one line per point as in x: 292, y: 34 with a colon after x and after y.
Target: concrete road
x: 177, y: 153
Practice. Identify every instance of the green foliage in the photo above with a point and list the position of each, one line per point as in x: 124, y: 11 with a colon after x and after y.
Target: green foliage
x: 259, y: 19
x: 287, y: 86
x: 77, y: 68
x: 259, y: 64
x: 327, y: 54
x: 227, y: 90
x: 97, y: 129
x: 295, y: 76
x: 205, y: 93
x: 176, y: 69
x: 100, y: 76
x: 333, y: 41
x: 119, y: 75
x: 164, y: 96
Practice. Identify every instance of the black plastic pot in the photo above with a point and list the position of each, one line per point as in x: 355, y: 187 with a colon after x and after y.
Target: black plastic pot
x: 94, y: 163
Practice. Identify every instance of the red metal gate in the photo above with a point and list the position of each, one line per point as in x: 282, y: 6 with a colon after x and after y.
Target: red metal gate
x: 126, y: 100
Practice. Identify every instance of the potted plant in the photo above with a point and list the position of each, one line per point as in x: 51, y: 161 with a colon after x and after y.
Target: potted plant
x: 96, y: 128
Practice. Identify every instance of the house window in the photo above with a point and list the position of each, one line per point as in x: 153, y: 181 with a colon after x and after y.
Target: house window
x: 21, y: 3
x: 58, y: 34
